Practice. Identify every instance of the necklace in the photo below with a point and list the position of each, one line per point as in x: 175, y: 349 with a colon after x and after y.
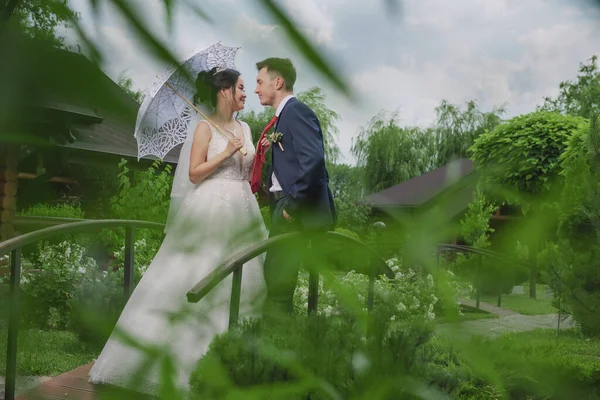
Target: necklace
x: 232, y: 131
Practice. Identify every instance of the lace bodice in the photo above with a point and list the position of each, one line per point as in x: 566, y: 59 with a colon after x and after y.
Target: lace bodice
x: 236, y: 167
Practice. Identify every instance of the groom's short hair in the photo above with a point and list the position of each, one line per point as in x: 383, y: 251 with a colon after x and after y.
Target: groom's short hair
x: 282, y: 67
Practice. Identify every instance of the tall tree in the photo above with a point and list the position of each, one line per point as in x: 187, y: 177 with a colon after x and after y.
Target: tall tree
x: 457, y: 129
x: 580, y: 97
x: 523, y: 155
x: 315, y: 99
x: 390, y: 154
x: 41, y: 19
x: 346, y: 181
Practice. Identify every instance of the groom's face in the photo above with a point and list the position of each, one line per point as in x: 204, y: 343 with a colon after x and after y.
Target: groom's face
x: 265, y: 87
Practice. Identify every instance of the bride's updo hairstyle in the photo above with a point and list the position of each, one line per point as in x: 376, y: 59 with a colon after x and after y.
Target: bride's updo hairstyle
x: 209, y: 83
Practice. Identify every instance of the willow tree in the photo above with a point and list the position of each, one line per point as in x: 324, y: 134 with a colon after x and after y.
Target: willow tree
x: 390, y: 154
x: 315, y: 98
x: 456, y: 129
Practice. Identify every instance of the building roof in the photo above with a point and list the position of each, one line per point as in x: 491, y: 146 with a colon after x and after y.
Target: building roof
x: 422, y: 189
x: 59, y: 97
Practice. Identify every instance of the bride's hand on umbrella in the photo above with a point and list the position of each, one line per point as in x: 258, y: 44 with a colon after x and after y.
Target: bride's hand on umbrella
x: 232, y: 146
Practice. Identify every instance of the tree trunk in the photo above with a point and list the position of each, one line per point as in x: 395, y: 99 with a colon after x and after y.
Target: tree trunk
x: 533, y: 281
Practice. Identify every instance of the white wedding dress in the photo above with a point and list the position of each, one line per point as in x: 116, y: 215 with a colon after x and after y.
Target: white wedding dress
x: 216, y: 219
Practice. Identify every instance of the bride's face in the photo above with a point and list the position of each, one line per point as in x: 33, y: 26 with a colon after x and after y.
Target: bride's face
x: 237, y: 96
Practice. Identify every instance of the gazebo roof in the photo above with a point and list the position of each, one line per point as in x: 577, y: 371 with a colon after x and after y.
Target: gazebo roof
x: 422, y: 189
x: 75, y: 105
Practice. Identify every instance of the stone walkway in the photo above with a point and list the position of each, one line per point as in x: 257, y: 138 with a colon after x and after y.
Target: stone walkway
x: 508, y: 321
x: 492, y: 309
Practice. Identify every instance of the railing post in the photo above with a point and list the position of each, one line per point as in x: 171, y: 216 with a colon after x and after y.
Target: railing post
x: 13, y: 325
x: 313, y: 290
x: 313, y: 280
x: 371, y: 293
x: 236, y: 291
x: 478, y: 294
x: 128, y: 266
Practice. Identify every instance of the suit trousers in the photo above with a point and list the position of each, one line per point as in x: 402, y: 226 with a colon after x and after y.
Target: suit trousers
x: 283, y: 261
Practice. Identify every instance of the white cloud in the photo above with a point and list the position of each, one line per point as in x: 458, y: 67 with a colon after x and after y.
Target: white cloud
x: 313, y: 18
x: 501, y: 51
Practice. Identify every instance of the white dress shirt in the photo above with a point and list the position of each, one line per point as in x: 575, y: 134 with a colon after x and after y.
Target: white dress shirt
x: 276, y: 187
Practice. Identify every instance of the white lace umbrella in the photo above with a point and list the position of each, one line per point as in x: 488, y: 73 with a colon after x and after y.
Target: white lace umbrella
x: 164, y: 115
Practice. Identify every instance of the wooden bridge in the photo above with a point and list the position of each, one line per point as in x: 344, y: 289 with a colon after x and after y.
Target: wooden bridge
x: 74, y: 384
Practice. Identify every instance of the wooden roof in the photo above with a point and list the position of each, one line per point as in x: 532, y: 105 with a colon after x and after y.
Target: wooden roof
x: 59, y: 97
x: 423, y: 189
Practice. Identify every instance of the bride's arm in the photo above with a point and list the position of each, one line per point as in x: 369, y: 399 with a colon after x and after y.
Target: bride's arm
x: 200, y: 168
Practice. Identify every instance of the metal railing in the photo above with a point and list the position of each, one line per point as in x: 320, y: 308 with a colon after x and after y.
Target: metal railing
x: 235, y: 264
x: 14, y: 246
x: 481, y: 253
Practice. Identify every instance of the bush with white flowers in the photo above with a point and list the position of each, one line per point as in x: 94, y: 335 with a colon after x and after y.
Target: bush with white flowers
x: 409, y: 294
x: 102, y: 291
x: 51, y: 282
x: 62, y: 277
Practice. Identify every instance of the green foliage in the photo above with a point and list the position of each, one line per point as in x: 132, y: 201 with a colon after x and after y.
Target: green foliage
x: 534, y: 365
x: 578, y: 162
x: 315, y: 98
x: 48, y: 352
x: 524, y: 153
x: 41, y: 18
x: 580, y: 97
x: 146, y: 197
x: 494, y: 277
x: 266, y: 214
x: 51, y: 283
x: 475, y: 224
x: 573, y: 262
x: 346, y: 185
x: 352, y: 215
x: 102, y: 292
x: 390, y: 154
x: 313, y: 357
x: 456, y: 129
x: 345, y: 181
x: 60, y: 210
x: 409, y: 296
x: 126, y: 84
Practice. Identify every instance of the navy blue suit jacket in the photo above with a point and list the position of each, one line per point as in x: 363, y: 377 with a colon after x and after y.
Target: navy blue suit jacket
x: 300, y: 167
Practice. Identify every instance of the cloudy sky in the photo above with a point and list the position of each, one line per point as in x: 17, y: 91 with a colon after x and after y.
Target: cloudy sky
x: 512, y: 52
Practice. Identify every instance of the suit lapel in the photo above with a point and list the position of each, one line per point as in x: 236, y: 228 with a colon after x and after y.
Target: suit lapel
x: 283, y: 111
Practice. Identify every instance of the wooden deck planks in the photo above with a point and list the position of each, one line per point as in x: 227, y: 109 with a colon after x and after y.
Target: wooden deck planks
x: 74, y: 385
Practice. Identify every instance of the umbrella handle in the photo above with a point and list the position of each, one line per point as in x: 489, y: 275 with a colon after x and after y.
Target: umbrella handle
x: 242, y: 150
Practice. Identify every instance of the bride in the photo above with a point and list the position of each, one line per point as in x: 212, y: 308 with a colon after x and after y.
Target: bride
x: 213, y: 215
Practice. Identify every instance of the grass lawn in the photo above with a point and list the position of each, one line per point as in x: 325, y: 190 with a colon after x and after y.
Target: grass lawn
x: 47, y: 353
x: 528, y: 365
x: 523, y: 304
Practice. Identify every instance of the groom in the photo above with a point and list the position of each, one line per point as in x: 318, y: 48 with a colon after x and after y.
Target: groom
x: 298, y: 180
